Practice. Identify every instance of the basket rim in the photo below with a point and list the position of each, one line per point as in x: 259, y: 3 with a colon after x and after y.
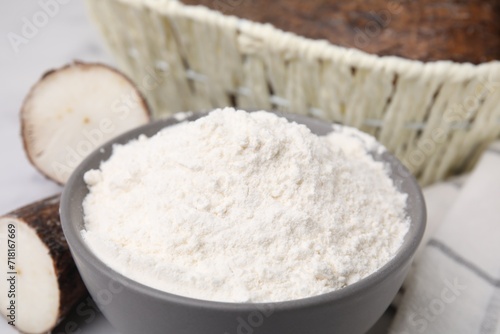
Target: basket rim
x: 294, y: 45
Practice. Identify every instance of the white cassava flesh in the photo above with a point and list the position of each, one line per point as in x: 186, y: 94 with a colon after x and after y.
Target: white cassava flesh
x: 47, y: 283
x: 73, y: 110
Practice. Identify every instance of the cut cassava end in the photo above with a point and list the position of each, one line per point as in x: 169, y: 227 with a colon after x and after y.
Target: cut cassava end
x: 46, y: 283
x: 73, y: 110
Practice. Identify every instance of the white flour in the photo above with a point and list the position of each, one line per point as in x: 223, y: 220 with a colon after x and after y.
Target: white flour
x: 244, y: 207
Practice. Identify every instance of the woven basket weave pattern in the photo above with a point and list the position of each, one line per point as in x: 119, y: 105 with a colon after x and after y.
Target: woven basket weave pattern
x: 436, y: 117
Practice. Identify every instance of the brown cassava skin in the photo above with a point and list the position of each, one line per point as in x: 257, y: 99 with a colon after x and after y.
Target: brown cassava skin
x: 25, y: 133
x: 43, y: 217
x: 426, y: 30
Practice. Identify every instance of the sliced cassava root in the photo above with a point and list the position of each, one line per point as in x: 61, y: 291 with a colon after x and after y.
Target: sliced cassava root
x: 73, y: 110
x: 47, y: 283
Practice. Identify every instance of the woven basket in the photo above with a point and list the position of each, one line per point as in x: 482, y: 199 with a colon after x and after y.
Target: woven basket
x: 436, y: 117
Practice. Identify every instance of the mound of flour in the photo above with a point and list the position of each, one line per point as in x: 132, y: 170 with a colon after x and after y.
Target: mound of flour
x: 244, y: 207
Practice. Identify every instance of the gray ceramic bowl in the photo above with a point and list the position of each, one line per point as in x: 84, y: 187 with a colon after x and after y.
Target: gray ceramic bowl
x: 133, y: 308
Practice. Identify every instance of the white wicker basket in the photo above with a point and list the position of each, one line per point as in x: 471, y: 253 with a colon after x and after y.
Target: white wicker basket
x: 436, y: 117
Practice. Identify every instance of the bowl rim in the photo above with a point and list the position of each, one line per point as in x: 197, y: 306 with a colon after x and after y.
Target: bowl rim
x: 78, y: 245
